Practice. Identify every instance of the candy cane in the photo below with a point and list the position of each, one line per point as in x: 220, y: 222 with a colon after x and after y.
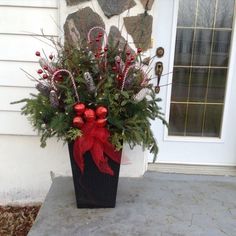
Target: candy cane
x: 100, y: 28
x: 71, y: 78
x: 106, y: 40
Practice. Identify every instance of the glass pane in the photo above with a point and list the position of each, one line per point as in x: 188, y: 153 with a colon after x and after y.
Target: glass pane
x: 213, y: 120
x: 198, y: 85
x: 195, y: 120
x: 202, y: 49
x: 177, y: 119
x: 216, y: 86
x: 183, y: 48
x: 206, y: 13
x: 221, y: 46
x: 186, y: 13
x: 180, y: 84
x: 225, y: 13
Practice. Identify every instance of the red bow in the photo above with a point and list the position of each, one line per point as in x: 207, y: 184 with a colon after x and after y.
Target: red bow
x: 95, y: 140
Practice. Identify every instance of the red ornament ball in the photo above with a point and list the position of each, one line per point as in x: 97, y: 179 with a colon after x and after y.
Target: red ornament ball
x: 37, y: 54
x: 105, y: 49
x: 79, y: 108
x: 101, y: 122
x: 101, y: 112
x: 89, y: 115
x: 51, y: 57
x: 78, y: 122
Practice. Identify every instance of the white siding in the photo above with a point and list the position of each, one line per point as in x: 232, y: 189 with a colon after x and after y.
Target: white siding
x: 11, y: 75
x: 19, y: 21
x: 9, y: 94
x: 22, y: 47
x: 25, y: 167
x: 30, y: 3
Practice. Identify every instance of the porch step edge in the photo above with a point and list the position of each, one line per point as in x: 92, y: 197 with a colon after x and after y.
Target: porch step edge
x: 193, y: 169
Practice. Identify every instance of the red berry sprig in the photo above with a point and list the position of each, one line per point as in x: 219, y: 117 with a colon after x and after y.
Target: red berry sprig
x: 40, y: 71
x: 139, y: 50
x: 45, y: 76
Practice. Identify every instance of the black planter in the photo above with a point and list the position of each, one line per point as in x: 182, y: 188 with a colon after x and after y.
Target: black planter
x: 94, y: 189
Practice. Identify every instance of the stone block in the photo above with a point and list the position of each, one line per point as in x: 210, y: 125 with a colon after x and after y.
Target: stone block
x: 140, y: 28
x: 115, y: 7
x: 79, y: 23
x: 74, y: 2
x: 147, y: 4
x: 116, y: 38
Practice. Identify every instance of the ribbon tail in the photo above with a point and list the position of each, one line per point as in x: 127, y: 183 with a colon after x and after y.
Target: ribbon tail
x: 81, y: 145
x: 110, y: 151
x: 99, y: 159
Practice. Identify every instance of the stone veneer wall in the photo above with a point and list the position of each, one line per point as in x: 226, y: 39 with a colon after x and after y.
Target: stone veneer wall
x: 134, y: 20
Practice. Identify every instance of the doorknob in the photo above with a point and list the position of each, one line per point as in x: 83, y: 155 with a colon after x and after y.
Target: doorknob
x: 160, y: 52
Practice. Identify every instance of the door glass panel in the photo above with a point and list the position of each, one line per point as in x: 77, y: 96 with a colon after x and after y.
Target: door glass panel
x: 184, y: 46
x: 186, y: 8
x: 201, y: 61
x: 216, y: 85
x: 225, y: 13
x: 180, y: 79
x: 177, y: 119
x: 202, y: 47
x: 221, y: 46
x: 206, y: 13
x: 213, y: 120
x: 194, y: 119
x: 198, y: 85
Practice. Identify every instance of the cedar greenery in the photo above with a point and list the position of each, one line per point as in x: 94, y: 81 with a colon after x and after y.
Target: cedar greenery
x: 128, y: 120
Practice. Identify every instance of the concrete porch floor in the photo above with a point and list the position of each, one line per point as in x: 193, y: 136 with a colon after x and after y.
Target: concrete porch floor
x: 157, y: 205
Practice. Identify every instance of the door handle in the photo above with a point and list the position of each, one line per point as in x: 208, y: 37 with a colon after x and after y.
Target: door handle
x: 158, y: 72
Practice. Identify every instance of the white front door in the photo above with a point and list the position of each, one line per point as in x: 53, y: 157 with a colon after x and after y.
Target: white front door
x: 199, y: 39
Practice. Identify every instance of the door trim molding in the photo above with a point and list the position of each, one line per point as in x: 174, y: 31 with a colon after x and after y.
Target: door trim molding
x: 171, y: 65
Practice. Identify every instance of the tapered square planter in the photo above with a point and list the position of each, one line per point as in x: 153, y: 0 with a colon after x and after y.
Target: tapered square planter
x: 94, y: 189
